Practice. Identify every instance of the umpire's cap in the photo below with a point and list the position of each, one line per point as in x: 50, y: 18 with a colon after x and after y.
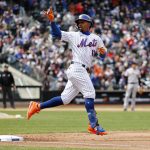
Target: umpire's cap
x: 85, y: 18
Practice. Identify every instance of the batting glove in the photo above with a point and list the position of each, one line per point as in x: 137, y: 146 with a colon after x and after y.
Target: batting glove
x: 102, y: 50
x: 102, y: 53
x: 49, y: 14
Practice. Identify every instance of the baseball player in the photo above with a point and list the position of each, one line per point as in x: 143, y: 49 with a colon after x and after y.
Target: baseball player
x: 84, y: 45
x: 132, y: 75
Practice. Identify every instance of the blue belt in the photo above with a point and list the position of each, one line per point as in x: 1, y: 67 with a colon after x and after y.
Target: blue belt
x: 72, y: 62
x: 133, y: 83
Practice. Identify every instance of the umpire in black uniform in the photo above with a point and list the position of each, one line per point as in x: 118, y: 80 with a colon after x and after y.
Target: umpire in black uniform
x: 7, y: 82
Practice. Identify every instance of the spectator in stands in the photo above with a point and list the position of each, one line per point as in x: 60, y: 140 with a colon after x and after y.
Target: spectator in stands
x: 7, y: 81
x: 124, y: 25
x: 46, y: 83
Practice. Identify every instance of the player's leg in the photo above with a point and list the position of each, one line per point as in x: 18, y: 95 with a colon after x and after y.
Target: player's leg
x: 35, y: 107
x: 67, y: 95
x: 133, y: 101
x: 4, y: 97
x: 85, y: 86
x: 94, y: 127
x: 10, y: 96
x: 127, y: 95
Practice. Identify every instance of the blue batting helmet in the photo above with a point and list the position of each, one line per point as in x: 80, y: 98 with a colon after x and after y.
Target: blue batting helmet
x: 85, y: 18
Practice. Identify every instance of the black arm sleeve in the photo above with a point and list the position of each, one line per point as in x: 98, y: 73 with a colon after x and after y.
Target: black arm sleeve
x: 12, y: 79
x: 126, y: 80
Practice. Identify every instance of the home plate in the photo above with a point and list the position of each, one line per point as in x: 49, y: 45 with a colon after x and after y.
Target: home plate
x: 10, y: 138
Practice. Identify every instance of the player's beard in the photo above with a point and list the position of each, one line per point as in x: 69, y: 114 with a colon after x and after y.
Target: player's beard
x: 81, y: 28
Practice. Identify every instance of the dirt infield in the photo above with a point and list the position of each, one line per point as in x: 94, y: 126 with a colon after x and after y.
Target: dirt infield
x: 113, y: 141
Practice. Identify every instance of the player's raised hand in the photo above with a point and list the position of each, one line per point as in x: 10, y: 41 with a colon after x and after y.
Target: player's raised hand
x: 49, y: 14
x: 102, y: 50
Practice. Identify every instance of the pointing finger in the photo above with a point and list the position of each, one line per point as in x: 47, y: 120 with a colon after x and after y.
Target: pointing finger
x: 50, y: 10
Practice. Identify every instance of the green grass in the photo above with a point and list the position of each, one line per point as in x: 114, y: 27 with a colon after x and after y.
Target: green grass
x: 44, y: 148
x: 73, y: 121
x: 47, y: 122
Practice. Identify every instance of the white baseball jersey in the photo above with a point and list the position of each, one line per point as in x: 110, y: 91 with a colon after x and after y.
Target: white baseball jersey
x: 133, y: 75
x: 83, y: 48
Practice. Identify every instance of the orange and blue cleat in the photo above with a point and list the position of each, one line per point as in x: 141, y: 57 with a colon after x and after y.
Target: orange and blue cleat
x: 97, y: 130
x: 32, y: 109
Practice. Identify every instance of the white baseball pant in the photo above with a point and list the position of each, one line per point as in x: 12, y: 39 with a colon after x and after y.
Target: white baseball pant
x: 131, y: 89
x: 78, y: 81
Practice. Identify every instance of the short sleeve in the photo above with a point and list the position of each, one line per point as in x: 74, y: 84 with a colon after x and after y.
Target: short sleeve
x: 126, y: 73
x: 65, y: 36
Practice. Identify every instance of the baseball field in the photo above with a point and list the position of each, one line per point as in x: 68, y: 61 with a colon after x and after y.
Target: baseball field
x: 65, y: 128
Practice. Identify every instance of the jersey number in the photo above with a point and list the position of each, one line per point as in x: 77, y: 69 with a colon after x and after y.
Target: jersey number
x: 93, y: 53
